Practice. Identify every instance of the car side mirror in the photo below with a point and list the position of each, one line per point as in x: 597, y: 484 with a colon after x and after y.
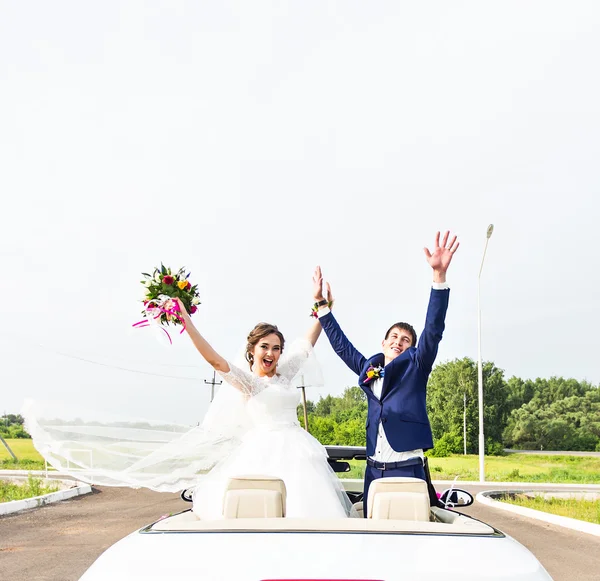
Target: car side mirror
x: 455, y: 497
x: 338, y: 466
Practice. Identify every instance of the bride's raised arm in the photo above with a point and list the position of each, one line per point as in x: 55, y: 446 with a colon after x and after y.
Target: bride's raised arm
x: 204, y: 348
x: 315, y: 330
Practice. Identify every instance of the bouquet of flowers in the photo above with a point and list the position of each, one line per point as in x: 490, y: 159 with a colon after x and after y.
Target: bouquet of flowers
x: 160, y: 288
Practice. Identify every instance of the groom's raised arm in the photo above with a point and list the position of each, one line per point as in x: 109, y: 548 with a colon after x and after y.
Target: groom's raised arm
x: 349, y: 355
x: 439, y: 260
x: 347, y: 352
x: 431, y: 336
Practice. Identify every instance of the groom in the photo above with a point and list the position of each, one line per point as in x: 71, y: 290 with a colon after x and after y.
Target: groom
x: 395, y: 381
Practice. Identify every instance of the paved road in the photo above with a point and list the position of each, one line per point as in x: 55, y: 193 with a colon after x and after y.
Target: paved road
x: 59, y: 542
x: 566, y: 554
x: 552, y: 453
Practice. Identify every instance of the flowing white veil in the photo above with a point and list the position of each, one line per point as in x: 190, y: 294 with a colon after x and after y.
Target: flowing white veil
x: 112, y: 451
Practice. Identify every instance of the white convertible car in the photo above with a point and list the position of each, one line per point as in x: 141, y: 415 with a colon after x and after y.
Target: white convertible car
x: 401, y: 538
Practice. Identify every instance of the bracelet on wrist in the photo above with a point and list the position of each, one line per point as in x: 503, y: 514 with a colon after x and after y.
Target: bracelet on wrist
x: 315, y: 308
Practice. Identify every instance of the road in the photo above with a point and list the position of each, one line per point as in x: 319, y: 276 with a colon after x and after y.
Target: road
x: 566, y: 554
x: 552, y: 453
x: 59, y: 542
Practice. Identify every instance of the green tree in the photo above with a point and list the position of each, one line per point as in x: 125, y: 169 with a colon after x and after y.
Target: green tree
x: 338, y: 420
x: 569, y: 423
x: 323, y: 429
x: 448, y: 384
x: 351, y: 433
x: 323, y: 407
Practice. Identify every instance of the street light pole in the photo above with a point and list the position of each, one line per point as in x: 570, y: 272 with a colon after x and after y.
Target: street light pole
x: 479, y: 366
x: 465, y: 423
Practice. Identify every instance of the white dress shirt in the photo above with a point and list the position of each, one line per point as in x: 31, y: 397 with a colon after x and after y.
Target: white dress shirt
x: 383, y: 450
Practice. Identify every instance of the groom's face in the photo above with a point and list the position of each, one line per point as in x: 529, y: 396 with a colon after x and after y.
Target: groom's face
x: 397, y: 341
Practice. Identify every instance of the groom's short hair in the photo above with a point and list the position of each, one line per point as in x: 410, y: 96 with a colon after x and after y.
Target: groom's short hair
x: 404, y: 327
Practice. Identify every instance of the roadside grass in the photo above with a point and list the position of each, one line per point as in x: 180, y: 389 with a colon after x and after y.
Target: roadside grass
x: 511, y: 468
x: 587, y: 510
x: 33, y: 487
x: 28, y: 458
x: 519, y: 468
x: 10, y: 464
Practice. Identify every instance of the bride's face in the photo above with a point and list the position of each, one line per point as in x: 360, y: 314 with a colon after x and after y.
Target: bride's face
x: 266, y: 355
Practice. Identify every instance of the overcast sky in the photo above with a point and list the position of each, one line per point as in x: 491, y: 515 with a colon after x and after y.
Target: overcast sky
x: 250, y: 141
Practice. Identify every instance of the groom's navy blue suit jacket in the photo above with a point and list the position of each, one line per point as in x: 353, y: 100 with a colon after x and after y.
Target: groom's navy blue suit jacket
x: 401, y: 408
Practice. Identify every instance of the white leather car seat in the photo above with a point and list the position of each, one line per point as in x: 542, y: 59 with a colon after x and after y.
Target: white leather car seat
x: 399, y: 499
x: 254, y: 497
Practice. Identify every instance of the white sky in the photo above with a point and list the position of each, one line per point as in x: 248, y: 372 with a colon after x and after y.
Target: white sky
x: 250, y: 141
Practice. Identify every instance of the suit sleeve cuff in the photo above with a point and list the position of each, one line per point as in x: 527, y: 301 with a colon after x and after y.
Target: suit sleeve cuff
x: 323, y: 311
x: 439, y: 285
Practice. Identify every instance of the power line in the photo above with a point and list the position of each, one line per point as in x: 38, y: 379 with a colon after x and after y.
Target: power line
x: 124, y: 368
x: 41, y: 346
x: 119, y: 367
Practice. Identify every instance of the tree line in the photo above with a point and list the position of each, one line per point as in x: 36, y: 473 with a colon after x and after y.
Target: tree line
x: 540, y: 414
x: 11, y: 426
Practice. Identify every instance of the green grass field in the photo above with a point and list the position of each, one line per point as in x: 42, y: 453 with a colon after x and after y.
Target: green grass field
x: 28, y: 457
x: 511, y: 468
x: 519, y: 468
x: 588, y: 510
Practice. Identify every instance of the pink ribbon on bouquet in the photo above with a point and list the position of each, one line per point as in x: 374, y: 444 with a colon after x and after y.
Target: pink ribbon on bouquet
x: 161, y: 305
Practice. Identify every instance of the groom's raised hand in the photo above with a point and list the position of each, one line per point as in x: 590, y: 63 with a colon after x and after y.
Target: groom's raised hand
x: 441, y: 257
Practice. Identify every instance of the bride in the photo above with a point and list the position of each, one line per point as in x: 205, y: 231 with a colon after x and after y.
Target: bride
x: 251, y: 427
x: 274, y: 444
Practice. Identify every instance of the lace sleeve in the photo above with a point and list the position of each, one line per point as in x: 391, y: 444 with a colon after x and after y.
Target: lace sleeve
x: 240, y: 379
x: 295, y: 358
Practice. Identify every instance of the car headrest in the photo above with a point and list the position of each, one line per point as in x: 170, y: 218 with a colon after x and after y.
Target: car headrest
x: 398, y: 498
x: 254, y: 497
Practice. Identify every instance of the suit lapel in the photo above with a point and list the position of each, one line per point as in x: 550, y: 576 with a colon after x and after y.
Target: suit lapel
x: 395, y: 369
x: 367, y: 387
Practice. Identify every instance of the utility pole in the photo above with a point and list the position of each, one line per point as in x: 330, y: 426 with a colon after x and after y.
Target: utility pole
x: 212, y: 385
x: 8, y: 448
x: 302, y: 387
x: 4, y: 441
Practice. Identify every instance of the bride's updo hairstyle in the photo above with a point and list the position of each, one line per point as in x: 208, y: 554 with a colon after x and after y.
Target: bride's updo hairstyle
x: 259, y: 332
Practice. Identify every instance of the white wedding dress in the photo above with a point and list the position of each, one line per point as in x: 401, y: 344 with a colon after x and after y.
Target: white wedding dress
x: 276, y: 445
x: 249, y: 429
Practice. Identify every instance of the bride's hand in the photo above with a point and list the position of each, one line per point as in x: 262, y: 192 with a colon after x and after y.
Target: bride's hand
x: 182, y: 309
x: 318, y: 285
x: 318, y: 288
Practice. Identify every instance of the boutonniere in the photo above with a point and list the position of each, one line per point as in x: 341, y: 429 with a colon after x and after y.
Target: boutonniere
x: 374, y: 373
